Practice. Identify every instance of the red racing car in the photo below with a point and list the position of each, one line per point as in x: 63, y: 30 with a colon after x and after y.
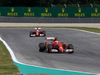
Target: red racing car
x: 53, y: 45
x: 37, y: 33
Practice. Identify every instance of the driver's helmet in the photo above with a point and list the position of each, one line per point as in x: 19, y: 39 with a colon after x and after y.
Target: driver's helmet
x: 55, y: 39
x: 37, y: 30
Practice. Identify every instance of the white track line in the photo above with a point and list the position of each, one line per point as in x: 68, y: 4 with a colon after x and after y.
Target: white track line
x: 10, y: 50
x: 15, y: 60
x: 87, y: 31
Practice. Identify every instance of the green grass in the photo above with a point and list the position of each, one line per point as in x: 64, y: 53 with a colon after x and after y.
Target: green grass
x: 6, y: 63
x: 97, y: 30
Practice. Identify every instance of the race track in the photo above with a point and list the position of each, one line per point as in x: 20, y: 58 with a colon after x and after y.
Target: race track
x: 85, y: 59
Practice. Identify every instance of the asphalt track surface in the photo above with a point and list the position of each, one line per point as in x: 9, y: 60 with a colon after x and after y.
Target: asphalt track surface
x: 49, y: 19
x: 85, y: 59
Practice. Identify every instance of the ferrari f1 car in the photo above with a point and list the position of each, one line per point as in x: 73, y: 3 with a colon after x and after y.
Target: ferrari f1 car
x: 52, y: 45
x: 37, y: 33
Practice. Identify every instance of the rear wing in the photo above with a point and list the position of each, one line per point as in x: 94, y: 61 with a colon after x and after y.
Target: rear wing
x: 50, y: 38
x: 37, y: 28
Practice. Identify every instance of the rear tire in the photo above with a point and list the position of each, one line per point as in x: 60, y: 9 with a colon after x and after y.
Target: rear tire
x: 70, y: 46
x: 49, y: 47
x: 41, y: 47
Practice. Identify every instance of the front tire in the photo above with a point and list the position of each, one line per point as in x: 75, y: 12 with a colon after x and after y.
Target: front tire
x: 70, y: 46
x: 44, y: 33
x: 30, y: 34
x: 49, y: 48
x: 41, y: 47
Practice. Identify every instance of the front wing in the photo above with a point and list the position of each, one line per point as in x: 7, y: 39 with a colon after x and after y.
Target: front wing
x: 34, y: 35
x: 66, y: 51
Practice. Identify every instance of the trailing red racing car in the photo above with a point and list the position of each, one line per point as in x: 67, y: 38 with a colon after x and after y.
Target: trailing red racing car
x: 37, y: 33
x: 53, y: 45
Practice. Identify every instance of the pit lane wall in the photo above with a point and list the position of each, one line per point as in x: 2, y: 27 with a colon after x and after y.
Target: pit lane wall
x: 50, y: 11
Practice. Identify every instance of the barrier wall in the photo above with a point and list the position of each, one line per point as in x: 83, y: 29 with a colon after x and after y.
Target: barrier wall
x: 50, y: 11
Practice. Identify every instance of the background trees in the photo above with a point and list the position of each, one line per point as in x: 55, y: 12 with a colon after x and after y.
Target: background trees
x: 44, y: 3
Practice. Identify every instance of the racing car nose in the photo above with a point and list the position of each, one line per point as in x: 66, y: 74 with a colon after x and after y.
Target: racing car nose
x: 61, y: 47
x: 37, y: 33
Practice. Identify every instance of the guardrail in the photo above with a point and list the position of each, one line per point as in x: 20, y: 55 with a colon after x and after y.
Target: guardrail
x: 50, y: 11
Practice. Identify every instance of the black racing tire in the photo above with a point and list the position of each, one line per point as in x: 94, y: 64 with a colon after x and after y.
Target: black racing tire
x: 65, y: 47
x: 41, y: 47
x: 49, y: 47
x: 44, y: 33
x: 70, y: 46
x: 30, y: 34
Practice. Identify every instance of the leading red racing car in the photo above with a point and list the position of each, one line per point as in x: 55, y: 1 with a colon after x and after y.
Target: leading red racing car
x: 53, y: 45
x: 37, y: 33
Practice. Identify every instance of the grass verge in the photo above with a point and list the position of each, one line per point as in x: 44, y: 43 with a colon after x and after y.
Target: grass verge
x: 97, y: 30
x: 6, y: 64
